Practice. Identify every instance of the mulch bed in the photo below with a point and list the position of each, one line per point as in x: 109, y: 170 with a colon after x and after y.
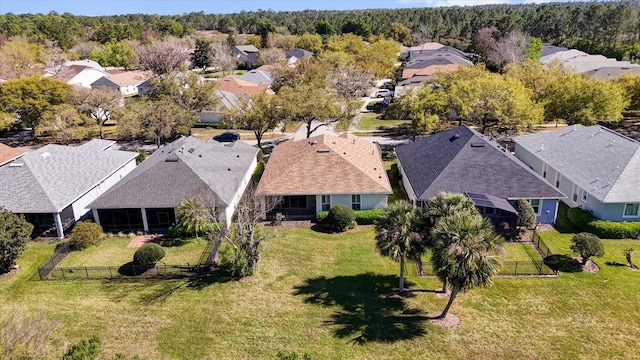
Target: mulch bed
x: 9, y: 274
x: 450, y: 321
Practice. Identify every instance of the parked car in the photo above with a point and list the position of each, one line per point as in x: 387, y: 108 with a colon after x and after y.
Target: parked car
x: 228, y: 136
x: 388, y: 85
x: 384, y: 93
x: 378, y: 106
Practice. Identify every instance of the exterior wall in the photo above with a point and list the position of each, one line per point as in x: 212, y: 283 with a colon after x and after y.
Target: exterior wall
x: 129, y: 90
x: 86, y: 77
x: 80, y: 204
x: 367, y: 201
x: 231, y: 208
x: 550, y: 205
x: 614, y: 212
x: 407, y: 186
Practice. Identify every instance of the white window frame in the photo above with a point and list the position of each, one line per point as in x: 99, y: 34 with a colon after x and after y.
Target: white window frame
x: 584, y: 196
x: 327, y: 203
x: 557, y: 183
x: 624, y: 211
x: 356, y: 202
x: 545, y: 170
x: 539, y: 212
x: 575, y: 194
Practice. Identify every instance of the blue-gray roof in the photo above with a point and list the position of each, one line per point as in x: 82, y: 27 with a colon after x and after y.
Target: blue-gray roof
x: 597, y: 159
x: 256, y: 77
x: 49, y: 179
x: 186, y: 168
x: 463, y: 160
x: 299, y: 53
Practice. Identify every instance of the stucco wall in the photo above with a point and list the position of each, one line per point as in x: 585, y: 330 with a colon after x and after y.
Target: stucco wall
x: 367, y: 201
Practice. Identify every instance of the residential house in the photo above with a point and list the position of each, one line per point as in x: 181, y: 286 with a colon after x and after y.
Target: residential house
x: 596, y: 168
x: 239, y: 86
x: 53, y: 185
x: 247, y: 54
x: 461, y: 160
x: 8, y: 153
x: 78, y: 75
x: 126, y: 82
x: 256, y: 76
x: 147, y: 199
x: 295, y: 55
x: 595, y: 66
x: 431, y: 64
x: 227, y: 101
x: 613, y: 72
x: 315, y: 174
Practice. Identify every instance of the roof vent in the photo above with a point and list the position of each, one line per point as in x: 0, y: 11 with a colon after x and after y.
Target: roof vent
x: 16, y: 164
x: 44, y: 155
x: 454, y: 137
x: 172, y: 158
x: 477, y: 144
x: 191, y: 150
x: 322, y: 150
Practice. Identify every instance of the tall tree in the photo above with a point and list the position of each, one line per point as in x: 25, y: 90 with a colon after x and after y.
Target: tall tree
x: 631, y: 85
x: 271, y: 56
x: 400, y: 33
x: 313, y: 106
x: 15, y: 233
x: 31, y: 97
x: 534, y: 49
x: 325, y: 29
x: 162, y: 56
x: 195, y: 217
x: 117, y: 54
x: 21, y: 58
x: 311, y: 42
x: 202, y: 56
x: 464, y: 260
x: 261, y: 113
x: 424, y: 106
x: 265, y: 29
x: 357, y: 27
x: 97, y: 103
x: 223, y: 58
x: 351, y: 82
x: 63, y: 123
x: 396, y: 234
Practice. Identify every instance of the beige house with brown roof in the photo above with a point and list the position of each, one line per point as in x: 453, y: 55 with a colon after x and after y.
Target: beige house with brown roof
x: 315, y: 174
x: 126, y: 82
x: 239, y: 86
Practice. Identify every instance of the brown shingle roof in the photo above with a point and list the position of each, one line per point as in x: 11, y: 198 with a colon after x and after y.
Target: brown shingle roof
x: 67, y: 73
x: 325, y: 164
x: 7, y: 153
x: 130, y: 77
x: 239, y: 86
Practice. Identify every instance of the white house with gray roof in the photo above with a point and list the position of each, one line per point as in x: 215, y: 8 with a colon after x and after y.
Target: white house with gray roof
x: 147, y: 199
x: 53, y: 185
x: 597, y: 168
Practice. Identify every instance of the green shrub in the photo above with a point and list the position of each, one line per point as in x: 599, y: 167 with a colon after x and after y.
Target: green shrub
x: 257, y: 173
x: 85, y: 234
x: 368, y: 217
x: 587, y: 245
x: 585, y: 221
x: 615, y: 230
x: 293, y: 355
x: 148, y: 254
x: 84, y: 350
x: 526, y: 215
x: 341, y: 218
x: 235, y: 262
x: 322, y: 216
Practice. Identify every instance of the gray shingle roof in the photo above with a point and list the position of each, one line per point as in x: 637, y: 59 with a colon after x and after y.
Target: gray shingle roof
x: 549, y: 49
x: 299, y: 53
x: 599, y: 160
x: 463, y: 160
x: 187, y: 167
x: 436, y: 59
x: 49, y: 179
x: 256, y: 76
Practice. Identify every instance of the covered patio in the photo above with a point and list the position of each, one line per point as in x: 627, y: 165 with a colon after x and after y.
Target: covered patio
x: 503, y: 215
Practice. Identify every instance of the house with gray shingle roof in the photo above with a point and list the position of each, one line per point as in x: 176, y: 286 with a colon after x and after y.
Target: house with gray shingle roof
x: 461, y: 160
x: 147, y: 198
x: 53, y: 185
x: 596, y: 168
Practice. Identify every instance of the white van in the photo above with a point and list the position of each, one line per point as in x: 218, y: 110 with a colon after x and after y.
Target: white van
x: 383, y: 93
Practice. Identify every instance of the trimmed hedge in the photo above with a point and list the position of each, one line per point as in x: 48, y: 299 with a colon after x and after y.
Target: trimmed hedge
x: 363, y: 217
x: 148, y: 254
x: 341, y: 218
x: 585, y: 221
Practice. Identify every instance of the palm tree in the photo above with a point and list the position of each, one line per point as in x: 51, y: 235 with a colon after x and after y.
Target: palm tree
x: 463, y: 260
x: 396, y: 234
x: 194, y: 217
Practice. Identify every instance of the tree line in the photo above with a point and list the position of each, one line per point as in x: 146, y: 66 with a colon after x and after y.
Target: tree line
x: 610, y: 28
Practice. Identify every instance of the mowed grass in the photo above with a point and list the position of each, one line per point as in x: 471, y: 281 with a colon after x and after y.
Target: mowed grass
x: 330, y: 295
x: 208, y: 133
x: 369, y: 121
x: 115, y: 252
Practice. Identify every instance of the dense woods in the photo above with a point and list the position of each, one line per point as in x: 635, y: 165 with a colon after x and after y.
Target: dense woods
x: 609, y: 28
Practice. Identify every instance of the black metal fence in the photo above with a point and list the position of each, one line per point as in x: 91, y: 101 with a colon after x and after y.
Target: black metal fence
x: 509, y: 268
x: 58, y: 255
x: 540, y: 245
x: 127, y: 271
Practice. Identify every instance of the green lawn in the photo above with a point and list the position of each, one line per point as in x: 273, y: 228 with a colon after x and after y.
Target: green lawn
x: 370, y: 122
x: 398, y: 194
x: 329, y: 295
x: 114, y: 252
x: 515, y: 251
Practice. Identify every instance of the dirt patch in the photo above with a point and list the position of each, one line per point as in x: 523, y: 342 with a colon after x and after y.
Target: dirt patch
x: 9, y: 274
x: 450, y: 321
x: 140, y: 240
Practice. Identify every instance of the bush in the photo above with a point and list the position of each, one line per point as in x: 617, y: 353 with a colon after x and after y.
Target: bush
x: 85, y: 234
x: 362, y: 217
x: 341, y: 218
x: 587, y: 245
x: 235, y: 262
x: 526, y: 215
x: 585, y: 221
x: 15, y: 233
x: 148, y: 254
x: 84, y: 350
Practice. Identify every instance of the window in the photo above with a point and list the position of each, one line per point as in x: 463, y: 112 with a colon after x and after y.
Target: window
x: 558, y: 177
x: 355, y: 202
x: 535, y: 204
x: 544, y: 170
x: 631, y: 210
x: 326, y: 202
x: 575, y: 193
x: 584, y: 195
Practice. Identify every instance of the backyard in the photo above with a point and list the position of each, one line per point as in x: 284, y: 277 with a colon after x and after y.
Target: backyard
x: 330, y: 295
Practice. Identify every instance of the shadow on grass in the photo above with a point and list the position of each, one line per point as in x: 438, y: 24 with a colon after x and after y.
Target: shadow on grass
x: 615, y: 263
x: 150, y: 291
x: 175, y: 242
x: 216, y: 277
x: 562, y: 263
x: 563, y: 225
x: 131, y: 269
x: 320, y: 228
x: 368, y: 312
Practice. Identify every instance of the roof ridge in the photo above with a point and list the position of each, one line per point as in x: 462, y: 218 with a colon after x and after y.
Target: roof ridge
x: 40, y: 184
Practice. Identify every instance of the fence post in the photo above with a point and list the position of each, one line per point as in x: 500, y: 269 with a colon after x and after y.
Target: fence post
x: 110, y: 274
x: 516, y: 274
x: 62, y: 271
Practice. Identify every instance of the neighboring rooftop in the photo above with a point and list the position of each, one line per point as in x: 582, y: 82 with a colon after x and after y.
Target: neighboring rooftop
x: 613, y: 72
x: 247, y: 48
x: 299, y: 53
x: 127, y: 78
x: 239, y: 86
x: 598, y: 159
x: 49, y: 179
x: 548, y: 49
x: 7, y: 153
x: 256, y: 76
x: 185, y: 168
x: 325, y: 164
x: 463, y: 160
